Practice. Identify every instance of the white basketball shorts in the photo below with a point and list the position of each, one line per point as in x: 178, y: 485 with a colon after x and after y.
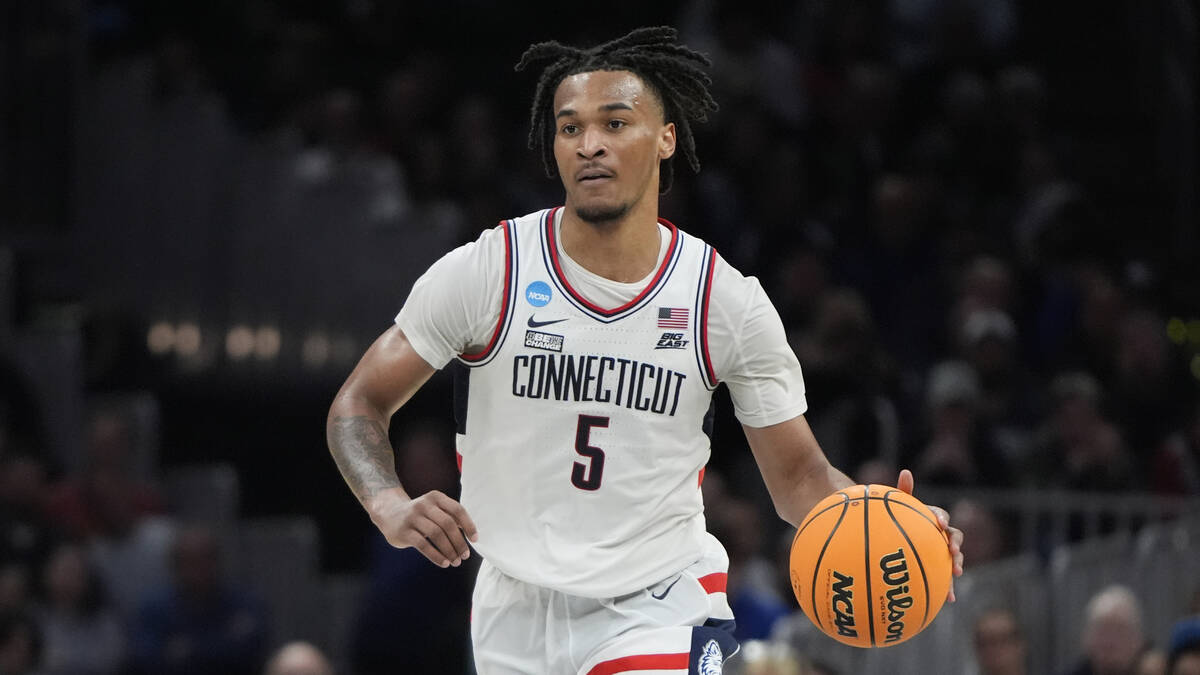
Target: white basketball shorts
x: 681, y: 625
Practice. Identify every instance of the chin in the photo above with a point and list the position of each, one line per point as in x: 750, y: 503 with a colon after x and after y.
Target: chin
x: 598, y: 214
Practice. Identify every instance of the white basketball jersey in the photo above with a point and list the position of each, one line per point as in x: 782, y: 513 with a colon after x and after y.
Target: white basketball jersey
x: 581, y: 429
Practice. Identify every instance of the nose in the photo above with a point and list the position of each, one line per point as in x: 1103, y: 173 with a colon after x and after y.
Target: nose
x: 591, y: 144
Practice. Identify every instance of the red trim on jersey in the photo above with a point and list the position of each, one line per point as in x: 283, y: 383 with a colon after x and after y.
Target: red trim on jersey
x: 699, y: 479
x: 712, y: 263
x: 715, y: 582
x: 642, y: 662
x: 504, y: 303
x: 458, y: 460
x: 658, y: 276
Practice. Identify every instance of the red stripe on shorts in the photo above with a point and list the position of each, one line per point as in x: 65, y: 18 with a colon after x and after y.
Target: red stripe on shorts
x: 641, y: 662
x: 715, y: 582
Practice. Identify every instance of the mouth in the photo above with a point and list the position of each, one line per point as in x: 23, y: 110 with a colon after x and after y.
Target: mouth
x: 591, y: 175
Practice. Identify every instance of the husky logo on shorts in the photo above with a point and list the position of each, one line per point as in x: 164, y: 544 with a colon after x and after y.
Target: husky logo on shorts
x: 711, y: 659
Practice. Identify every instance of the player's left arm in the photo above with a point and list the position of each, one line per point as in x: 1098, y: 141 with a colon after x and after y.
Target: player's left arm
x: 766, y: 385
x: 798, y: 475
x: 796, y: 471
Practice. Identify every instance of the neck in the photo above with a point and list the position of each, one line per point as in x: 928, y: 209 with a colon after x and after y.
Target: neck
x: 624, y: 250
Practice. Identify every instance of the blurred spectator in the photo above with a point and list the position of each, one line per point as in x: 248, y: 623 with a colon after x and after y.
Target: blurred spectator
x: 1000, y: 647
x: 1077, y: 448
x: 752, y: 591
x: 75, y: 503
x: 958, y: 449
x: 130, y: 549
x: 801, y: 281
x: 26, y: 534
x: 875, y: 471
x: 750, y: 63
x: 800, y: 634
x: 1152, y: 662
x: 1113, y: 640
x: 81, y: 633
x: 1175, y: 467
x: 758, y: 657
x: 20, y: 644
x: 1022, y: 96
x: 986, y: 538
x: 931, y: 32
x: 298, y: 658
x: 986, y: 283
x: 1183, y: 651
x: 22, y: 423
x: 898, y: 269
x: 1008, y: 404
x: 26, y: 539
x: 853, y: 418
x: 16, y: 587
x: 199, y: 623
x: 1144, y: 394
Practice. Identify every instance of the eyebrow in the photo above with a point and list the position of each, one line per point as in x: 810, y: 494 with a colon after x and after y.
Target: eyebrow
x: 607, y: 107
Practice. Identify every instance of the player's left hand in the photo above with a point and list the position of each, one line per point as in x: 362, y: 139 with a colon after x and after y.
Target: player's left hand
x: 955, y: 535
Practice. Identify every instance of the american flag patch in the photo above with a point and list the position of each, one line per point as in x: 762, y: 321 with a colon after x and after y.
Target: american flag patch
x: 672, y: 317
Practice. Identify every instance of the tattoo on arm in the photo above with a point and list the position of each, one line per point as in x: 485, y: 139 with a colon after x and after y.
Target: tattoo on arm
x: 363, y: 453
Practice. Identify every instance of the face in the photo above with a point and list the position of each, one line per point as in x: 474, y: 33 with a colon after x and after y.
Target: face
x: 197, y: 564
x: 66, y: 575
x: 1113, y: 643
x: 1188, y: 664
x: 609, y: 139
x: 998, y: 644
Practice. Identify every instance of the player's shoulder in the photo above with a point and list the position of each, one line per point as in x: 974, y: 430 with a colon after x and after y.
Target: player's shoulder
x: 528, y: 224
x: 732, y: 292
x: 495, y: 239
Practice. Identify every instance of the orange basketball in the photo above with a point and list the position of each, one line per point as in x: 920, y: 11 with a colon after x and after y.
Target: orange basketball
x: 870, y: 566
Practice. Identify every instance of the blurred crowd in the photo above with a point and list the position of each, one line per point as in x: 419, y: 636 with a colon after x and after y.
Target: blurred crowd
x: 97, y: 577
x: 968, y: 262
x: 1114, y: 642
x: 962, y: 286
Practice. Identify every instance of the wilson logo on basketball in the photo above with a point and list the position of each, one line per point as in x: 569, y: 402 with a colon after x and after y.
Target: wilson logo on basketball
x: 843, y: 604
x: 895, y: 574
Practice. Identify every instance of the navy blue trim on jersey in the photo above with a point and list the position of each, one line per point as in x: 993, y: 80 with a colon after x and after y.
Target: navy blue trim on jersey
x: 554, y: 270
x: 707, y: 425
x: 724, y: 624
x: 700, y: 325
x: 508, y: 301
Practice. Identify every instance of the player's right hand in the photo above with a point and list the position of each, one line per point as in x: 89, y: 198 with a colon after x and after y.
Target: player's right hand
x: 433, y: 523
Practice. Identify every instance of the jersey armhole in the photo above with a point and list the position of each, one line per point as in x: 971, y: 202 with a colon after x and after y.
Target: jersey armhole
x: 507, y: 301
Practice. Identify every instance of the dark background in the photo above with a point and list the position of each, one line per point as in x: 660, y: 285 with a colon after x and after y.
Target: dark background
x: 274, y: 175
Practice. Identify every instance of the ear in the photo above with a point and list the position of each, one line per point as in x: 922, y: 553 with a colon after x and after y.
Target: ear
x: 666, y: 141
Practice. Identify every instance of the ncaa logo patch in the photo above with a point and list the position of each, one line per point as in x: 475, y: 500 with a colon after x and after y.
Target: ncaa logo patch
x: 538, y: 294
x: 711, y: 660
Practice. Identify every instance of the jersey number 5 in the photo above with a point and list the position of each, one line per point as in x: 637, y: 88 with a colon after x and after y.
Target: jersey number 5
x: 587, y: 476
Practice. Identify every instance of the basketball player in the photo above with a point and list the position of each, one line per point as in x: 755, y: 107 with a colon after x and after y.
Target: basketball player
x: 590, y: 338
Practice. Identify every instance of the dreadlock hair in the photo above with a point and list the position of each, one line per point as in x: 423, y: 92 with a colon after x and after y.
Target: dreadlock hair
x: 673, y: 71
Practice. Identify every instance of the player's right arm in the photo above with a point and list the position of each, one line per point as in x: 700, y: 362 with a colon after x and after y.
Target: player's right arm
x: 385, y: 378
x: 452, y: 308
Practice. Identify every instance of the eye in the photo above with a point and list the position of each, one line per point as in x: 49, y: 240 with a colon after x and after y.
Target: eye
x: 569, y: 129
x: 616, y: 124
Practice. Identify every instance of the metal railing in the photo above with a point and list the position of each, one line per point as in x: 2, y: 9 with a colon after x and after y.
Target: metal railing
x: 1042, y: 520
